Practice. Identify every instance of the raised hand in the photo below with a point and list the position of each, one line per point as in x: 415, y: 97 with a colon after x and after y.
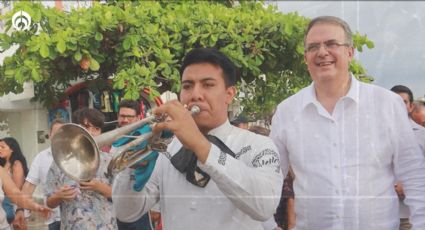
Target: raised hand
x: 182, y: 124
x: 19, y: 223
x: 67, y: 192
x: 90, y: 185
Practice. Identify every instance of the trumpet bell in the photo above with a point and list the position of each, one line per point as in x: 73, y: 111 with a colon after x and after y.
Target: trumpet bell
x: 75, y: 152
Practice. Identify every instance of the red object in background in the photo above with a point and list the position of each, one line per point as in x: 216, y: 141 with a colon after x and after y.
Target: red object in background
x: 106, y: 149
x: 142, y: 109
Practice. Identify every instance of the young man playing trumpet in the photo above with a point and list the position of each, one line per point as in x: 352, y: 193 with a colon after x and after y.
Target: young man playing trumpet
x: 213, y: 175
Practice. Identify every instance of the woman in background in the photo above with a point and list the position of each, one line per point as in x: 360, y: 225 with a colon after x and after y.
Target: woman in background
x: 8, y: 186
x: 15, y: 164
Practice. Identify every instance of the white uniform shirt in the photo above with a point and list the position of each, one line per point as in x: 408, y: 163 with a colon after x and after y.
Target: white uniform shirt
x: 419, y: 131
x: 242, y: 192
x: 346, y: 163
x: 37, y: 176
x: 420, y: 137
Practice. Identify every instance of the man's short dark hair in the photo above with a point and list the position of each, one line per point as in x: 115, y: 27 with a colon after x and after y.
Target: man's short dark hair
x: 403, y: 89
x: 94, y: 116
x: 239, y: 120
x: 131, y: 104
x: 259, y: 130
x: 214, y: 57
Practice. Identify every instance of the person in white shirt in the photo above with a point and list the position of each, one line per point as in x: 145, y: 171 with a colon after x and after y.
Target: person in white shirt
x: 347, y: 142
x: 418, y: 113
x: 128, y: 113
x: 407, y: 96
x: 37, y: 176
x: 199, y: 182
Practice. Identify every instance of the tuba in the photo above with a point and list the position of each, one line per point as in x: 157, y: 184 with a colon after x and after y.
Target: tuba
x: 77, y: 153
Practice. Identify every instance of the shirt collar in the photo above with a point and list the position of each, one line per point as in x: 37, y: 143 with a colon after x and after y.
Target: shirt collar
x: 310, y: 95
x: 354, y: 92
x: 221, y: 131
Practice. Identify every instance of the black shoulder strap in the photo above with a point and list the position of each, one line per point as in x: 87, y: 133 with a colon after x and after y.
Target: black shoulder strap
x: 223, y: 147
x: 185, y: 161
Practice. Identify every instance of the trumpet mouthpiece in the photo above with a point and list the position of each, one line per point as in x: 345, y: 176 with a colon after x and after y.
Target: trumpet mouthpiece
x: 195, y: 109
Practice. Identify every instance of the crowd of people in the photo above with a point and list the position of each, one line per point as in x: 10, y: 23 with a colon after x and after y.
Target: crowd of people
x: 341, y: 154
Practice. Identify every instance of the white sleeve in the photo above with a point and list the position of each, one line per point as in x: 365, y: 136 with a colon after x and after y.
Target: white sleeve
x: 253, y: 187
x: 420, y: 135
x: 33, y: 176
x: 410, y: 167
x: 130, y: 205
x: 277, y: 135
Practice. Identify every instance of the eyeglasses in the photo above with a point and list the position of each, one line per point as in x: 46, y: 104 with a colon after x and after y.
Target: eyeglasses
x: 330, y: 45
x: 125, y: 116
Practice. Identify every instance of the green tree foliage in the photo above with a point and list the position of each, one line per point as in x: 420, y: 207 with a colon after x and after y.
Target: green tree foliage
x: 141, y: 44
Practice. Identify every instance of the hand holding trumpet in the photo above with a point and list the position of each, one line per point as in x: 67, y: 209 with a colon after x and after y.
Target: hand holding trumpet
x: 182, y: 124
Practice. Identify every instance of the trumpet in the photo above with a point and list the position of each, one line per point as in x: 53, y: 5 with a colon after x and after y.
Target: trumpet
x: 77, y: 153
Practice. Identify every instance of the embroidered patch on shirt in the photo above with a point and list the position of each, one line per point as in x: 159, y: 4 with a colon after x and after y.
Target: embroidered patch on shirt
x: 266, y: 157
x: 243, y: 151
x: 167, y: 154
x: 222, y: 158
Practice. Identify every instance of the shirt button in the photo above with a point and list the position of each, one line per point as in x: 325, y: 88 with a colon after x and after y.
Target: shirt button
x: 336, y: 166
x: 334, y: 144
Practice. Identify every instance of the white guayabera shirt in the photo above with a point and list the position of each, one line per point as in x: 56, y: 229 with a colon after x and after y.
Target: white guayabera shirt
x: 420, y: 137
x: 346, y: 163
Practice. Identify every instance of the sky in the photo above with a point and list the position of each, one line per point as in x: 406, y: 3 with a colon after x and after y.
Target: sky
x: 396, y: 27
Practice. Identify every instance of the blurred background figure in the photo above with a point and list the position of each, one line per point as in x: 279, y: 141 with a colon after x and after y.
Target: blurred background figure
x: 240, y: 121
x: 14, y: 163
x: 8, y: 187
x: 37, y: 175
x: 407, y: 96
x: 128, y: 113
x: 285, y: 212
x: 418, y: 113
x: 259, y: 130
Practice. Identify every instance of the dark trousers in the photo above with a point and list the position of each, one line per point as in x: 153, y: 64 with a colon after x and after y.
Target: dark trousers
x: 141, y: 224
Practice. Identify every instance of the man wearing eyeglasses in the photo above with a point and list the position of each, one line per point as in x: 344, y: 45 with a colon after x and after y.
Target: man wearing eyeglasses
x: 129, y: 112
x: 213, y: 175
x: 347, y: 142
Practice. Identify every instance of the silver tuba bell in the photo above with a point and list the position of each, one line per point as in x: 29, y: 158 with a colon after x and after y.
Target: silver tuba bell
x: 76, y: 152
